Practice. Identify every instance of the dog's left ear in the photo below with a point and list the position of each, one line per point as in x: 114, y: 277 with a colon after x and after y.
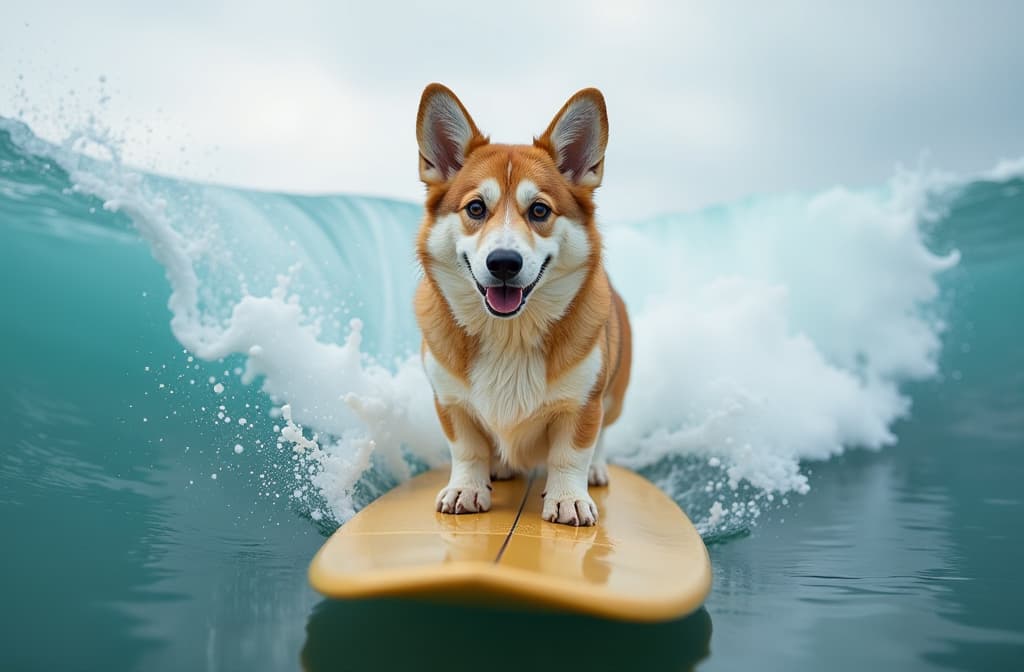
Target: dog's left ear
x: 576, y: 138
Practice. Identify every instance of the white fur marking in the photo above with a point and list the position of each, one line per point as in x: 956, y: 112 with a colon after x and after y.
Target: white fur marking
x: 468, y: 488
x: 577, y: 382
x: 525, y: 193
x: 567, y: 246
x: 566, y: 499
x: 490, y: 191
x: 446, y: 244
x: 598, y: 474
x: 442, y: 237
x: 448, y: 388
x: 505, y: 390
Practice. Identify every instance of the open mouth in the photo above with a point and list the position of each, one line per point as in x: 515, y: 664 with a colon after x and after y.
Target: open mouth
x: 506, y: 300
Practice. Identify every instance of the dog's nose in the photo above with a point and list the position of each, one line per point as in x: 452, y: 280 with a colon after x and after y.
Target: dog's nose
x: 504, y: 264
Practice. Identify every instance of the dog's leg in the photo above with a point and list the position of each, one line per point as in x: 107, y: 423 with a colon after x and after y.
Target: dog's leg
x: 566, y: 499
x: 499, y: 470
x: 598, y: 465
x: 469, y: 487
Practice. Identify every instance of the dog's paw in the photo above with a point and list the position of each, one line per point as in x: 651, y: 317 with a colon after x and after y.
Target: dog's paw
x: 502, y: 472
x: 598, y: 474
x: 577, y: 509
x: 464, y: 499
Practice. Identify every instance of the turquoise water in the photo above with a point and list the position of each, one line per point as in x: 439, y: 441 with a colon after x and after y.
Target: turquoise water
x: 122, y: 552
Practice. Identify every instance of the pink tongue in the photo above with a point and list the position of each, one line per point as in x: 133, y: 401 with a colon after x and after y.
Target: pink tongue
x: 504, y: 299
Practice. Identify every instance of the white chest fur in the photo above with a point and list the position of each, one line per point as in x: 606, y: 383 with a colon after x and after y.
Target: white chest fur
x: 506, y: 389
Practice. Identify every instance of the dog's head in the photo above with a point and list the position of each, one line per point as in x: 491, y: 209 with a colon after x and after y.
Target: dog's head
x: 509, y: 229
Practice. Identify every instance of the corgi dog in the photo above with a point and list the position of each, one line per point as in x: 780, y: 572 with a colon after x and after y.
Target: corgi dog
x: 525, y: 343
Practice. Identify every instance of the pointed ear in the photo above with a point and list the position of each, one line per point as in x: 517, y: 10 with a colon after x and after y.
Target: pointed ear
x: 576, y: 138
x: 446, y: 134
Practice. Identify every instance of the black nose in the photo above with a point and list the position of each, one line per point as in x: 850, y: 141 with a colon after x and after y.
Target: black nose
x: 504, y: 264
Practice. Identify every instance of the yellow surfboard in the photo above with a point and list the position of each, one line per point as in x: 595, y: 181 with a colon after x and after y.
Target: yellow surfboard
x: 643, y: 561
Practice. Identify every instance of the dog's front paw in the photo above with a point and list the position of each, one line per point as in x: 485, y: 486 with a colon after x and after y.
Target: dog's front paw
x: 464, y: 499
x: 576, y: 509
x: 598, y: 474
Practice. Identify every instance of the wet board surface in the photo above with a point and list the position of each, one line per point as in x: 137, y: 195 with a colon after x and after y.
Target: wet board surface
x: 643, y: 561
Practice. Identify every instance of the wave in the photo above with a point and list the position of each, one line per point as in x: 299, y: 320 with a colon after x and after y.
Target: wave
x: 768, y: 333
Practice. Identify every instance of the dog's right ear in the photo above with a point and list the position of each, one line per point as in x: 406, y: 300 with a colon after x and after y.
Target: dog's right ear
x: 446, y: 134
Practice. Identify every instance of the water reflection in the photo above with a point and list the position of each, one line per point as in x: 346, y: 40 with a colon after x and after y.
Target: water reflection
x: 407, y: 635
x: 80, y: 539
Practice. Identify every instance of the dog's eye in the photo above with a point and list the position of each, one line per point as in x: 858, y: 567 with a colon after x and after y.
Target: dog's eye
x: 476, y: 209
x: 539, y: 212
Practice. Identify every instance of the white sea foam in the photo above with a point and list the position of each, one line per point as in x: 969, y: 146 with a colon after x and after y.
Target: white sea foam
x: 777, y: 331
x: 766, y: 334
x: 1006, y: 170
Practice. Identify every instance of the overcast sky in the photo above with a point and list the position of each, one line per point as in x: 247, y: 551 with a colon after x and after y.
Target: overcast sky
x: 708, y: 102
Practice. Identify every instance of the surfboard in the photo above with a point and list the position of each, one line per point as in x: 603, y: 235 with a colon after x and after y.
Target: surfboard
x: 643, y: 561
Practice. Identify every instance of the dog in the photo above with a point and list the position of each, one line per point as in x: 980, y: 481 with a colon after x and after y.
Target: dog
x: 526, y: 344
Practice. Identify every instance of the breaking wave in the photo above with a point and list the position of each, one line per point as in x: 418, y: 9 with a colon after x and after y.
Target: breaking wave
x: 768, y: 333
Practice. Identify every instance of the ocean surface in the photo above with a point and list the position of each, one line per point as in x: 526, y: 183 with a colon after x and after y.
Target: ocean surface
x: 830, y: 384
